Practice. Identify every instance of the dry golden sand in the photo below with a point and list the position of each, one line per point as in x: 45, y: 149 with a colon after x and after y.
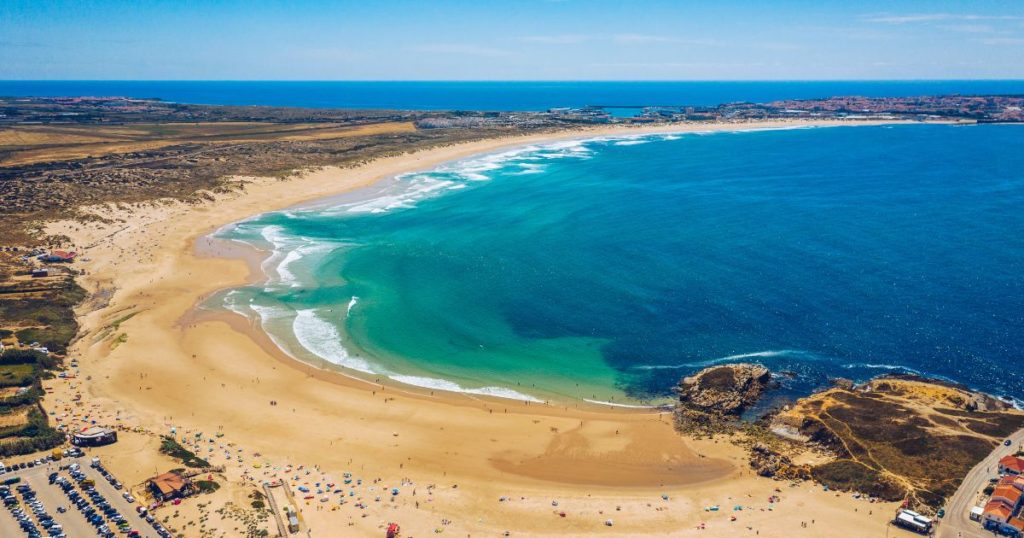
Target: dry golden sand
x: 214, y: 374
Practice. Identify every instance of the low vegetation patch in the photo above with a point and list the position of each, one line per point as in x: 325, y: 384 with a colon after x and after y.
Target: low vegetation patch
x: 47, y: 316
x: 24, y: 427
x: 849, y: 475
x: 207, y: 486
x: 172, y: 448
x: 901, y: 438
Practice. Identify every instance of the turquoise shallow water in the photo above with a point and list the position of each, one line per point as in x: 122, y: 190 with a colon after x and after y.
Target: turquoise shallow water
x: 606, y: 269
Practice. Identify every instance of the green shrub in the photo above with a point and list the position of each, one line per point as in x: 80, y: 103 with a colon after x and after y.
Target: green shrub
x: 207, y: 486
x: 172, y: 448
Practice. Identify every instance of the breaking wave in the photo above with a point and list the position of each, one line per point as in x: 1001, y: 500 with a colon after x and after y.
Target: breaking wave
x: 322, y: 338
x: 451, y: 386
x: 806, y: 355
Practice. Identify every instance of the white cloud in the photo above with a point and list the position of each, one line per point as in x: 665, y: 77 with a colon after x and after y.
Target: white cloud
x: 461, y: 49
x: 776, y: 46
x: 969, y: 28
x: 639, y: 39
x: 1004, y: 41
x: 936, y: 17
x: 565, y: 39
x: 644, y: 38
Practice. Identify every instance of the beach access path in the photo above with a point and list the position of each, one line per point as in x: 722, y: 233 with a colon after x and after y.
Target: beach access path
x: 957, y: 523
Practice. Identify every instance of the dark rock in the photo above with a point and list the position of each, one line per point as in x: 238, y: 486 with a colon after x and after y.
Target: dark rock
x: 724, y: 390
x: 843, y: 383
x: 767, y: 462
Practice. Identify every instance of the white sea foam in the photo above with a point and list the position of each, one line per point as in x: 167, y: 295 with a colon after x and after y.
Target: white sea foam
x: 322, y: 339
x: 880, y: 367
x: 450, y: 386
x: 310, y: 247
x: 274, y: 235
x: 731, y: 358
x: 529, y: 168
x: 413, y: 187
x: 284, y: 275
x: 351, y: 304
x: 1016, y: 403
x: 898, y: 368
x: 231, y: 302
x: 631, y: 142
x: 267, y: 315
x: 286, y: 250
x: 627, y: 406
x: 416, y: 187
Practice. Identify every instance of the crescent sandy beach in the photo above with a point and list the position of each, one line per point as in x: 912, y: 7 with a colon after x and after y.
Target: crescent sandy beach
x: 523, y: 270
x: 476, y: 464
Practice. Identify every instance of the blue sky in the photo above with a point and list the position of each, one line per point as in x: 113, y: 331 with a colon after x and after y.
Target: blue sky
x: 510, y: 40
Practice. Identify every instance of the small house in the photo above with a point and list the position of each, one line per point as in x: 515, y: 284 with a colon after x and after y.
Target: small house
x: 94, y: 436
x: 170, y: 485
x: 996, y: 512
x: 59, y: 256
x: 1011, y: 465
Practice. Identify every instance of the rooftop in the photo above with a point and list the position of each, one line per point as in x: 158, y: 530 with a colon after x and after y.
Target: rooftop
x: 169, y: 483
x: 94, y: 431
x: 1013, y: 463
x: 998, y: 510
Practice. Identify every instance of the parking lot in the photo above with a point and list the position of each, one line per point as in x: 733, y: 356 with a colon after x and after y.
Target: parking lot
x: 50, y: 499
x: 38, y: 499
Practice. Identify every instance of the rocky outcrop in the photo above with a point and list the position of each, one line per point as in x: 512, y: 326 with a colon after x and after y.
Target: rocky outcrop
x: 767, y: 462
x: 711, y: 399
x: 724, y: 390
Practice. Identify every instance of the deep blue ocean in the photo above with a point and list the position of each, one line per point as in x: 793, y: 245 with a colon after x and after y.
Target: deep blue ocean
x: 493, y: 95
x: 607, y: 269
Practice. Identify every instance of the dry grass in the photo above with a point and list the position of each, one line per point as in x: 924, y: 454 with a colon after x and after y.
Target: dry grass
x: 16, y: 418
x: 22, y: 145
x: 7, y: 392
x: 902, y: 436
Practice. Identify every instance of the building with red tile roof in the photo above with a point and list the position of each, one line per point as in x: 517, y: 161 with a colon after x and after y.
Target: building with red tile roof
x: 1011, y: 465
x: 1016, y: 481
x: 1007, y: 494
x: 997, y: 512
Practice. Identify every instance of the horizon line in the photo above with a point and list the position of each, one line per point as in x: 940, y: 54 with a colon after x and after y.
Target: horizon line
x: 566, y: 81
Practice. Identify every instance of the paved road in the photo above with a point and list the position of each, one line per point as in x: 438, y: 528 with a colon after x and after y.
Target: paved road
x: 957, y: 523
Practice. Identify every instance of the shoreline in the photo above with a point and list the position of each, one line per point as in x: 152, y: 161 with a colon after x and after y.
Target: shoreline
x: 199, y: 373
x: 255, y: 258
